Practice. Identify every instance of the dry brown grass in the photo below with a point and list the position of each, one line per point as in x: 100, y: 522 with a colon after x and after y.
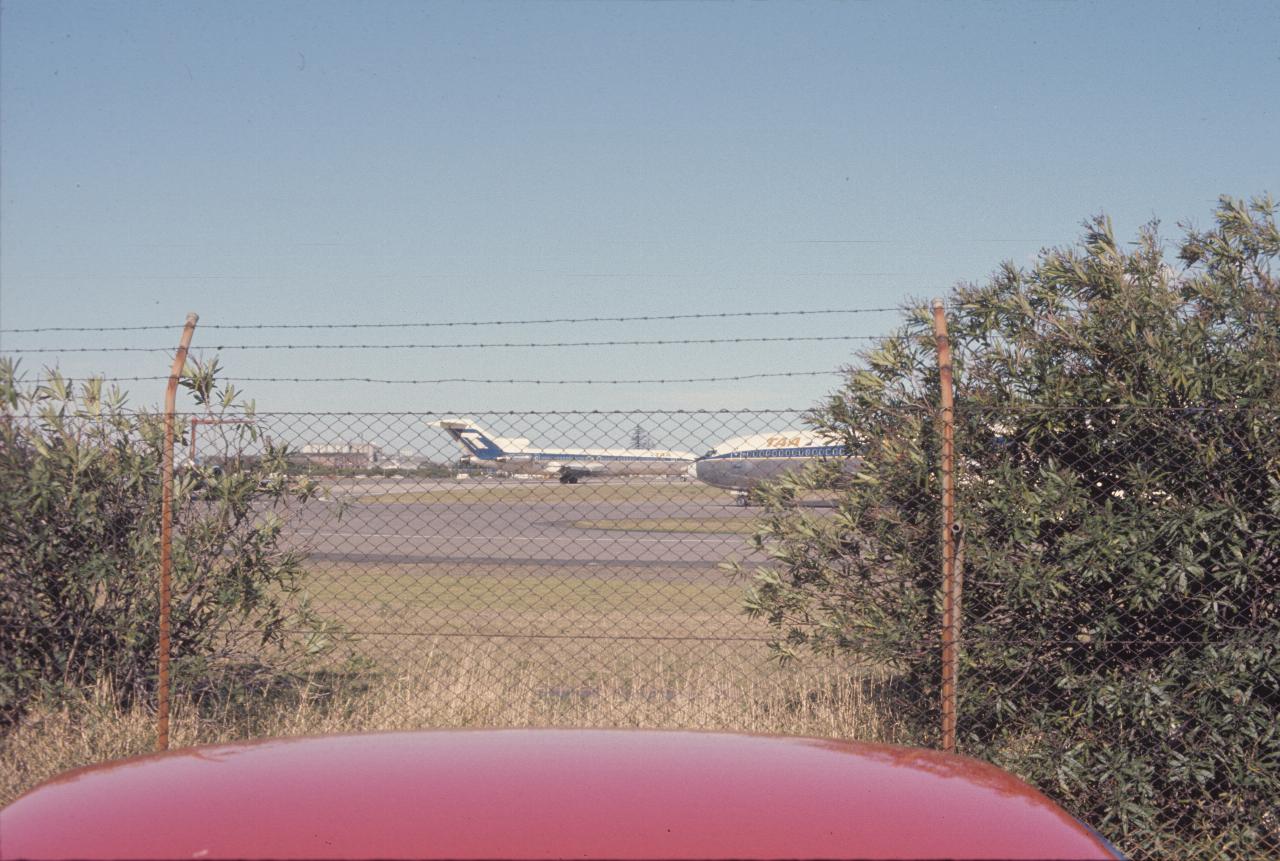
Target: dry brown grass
x: 476, y: 688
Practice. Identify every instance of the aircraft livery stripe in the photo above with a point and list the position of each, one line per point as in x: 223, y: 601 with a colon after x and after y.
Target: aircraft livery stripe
x: 559, y: 455
x: 806, y: 451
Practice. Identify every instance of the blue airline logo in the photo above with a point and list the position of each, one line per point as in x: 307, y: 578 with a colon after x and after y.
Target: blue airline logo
x: 477, y: 443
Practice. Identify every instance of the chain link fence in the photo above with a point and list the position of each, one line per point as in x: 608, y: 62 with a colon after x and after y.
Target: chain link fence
x: 1118, y: 625
x: 561, y: 568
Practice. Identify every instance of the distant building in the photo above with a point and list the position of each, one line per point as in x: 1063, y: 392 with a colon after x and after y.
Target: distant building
x: 343, y: 455
x: 398, y: 463
x: 404, y: 459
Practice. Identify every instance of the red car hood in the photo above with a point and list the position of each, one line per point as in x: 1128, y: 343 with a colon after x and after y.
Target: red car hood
x: 541, y: 794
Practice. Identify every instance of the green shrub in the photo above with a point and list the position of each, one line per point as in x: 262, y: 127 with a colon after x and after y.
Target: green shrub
x: 1119, y: 497
x: 80, y: 501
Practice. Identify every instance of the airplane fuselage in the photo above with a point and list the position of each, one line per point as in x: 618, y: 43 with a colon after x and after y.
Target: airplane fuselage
x: 742, y: 463
x: 580, y: 463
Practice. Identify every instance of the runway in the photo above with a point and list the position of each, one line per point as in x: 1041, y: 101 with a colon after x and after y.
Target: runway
x: 613, y: 523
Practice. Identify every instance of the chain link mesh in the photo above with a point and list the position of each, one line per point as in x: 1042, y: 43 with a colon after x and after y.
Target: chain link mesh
x: 514, y: 596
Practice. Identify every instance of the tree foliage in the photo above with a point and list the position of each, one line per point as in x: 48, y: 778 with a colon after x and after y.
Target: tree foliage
x: 1119, y: 497
x: 80, y: 501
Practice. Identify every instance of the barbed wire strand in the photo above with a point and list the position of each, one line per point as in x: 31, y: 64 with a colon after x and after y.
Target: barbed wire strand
x: 453, y: 324
x: 463, y: 346
x: 534, y: 382
x: 493, y: 414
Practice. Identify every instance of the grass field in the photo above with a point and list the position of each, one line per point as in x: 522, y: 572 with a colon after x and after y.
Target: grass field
x: 560, y: 630
x: 604, y: 599
x: 493, y: 646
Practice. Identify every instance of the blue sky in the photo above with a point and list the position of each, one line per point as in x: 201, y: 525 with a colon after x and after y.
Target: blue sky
x: 398, y: 162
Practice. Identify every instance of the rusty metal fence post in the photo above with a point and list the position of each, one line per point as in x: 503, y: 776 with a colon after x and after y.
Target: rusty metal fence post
x: 950, y: 585
x: 166, y: 530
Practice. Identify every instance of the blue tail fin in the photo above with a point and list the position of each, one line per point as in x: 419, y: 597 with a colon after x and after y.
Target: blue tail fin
x: 472, y: 439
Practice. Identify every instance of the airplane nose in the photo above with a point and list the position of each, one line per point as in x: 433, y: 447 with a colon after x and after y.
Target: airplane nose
x: 692, y: 471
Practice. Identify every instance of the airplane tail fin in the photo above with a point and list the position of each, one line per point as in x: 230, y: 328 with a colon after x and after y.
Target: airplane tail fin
x: 474, y: 441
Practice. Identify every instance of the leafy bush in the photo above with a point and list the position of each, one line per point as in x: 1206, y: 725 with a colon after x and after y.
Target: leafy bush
x: 1119, y: 497
x: 80, y: 499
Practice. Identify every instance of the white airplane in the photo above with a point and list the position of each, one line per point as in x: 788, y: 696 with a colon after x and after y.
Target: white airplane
x: 742, y: 463
x: 521, y: 457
